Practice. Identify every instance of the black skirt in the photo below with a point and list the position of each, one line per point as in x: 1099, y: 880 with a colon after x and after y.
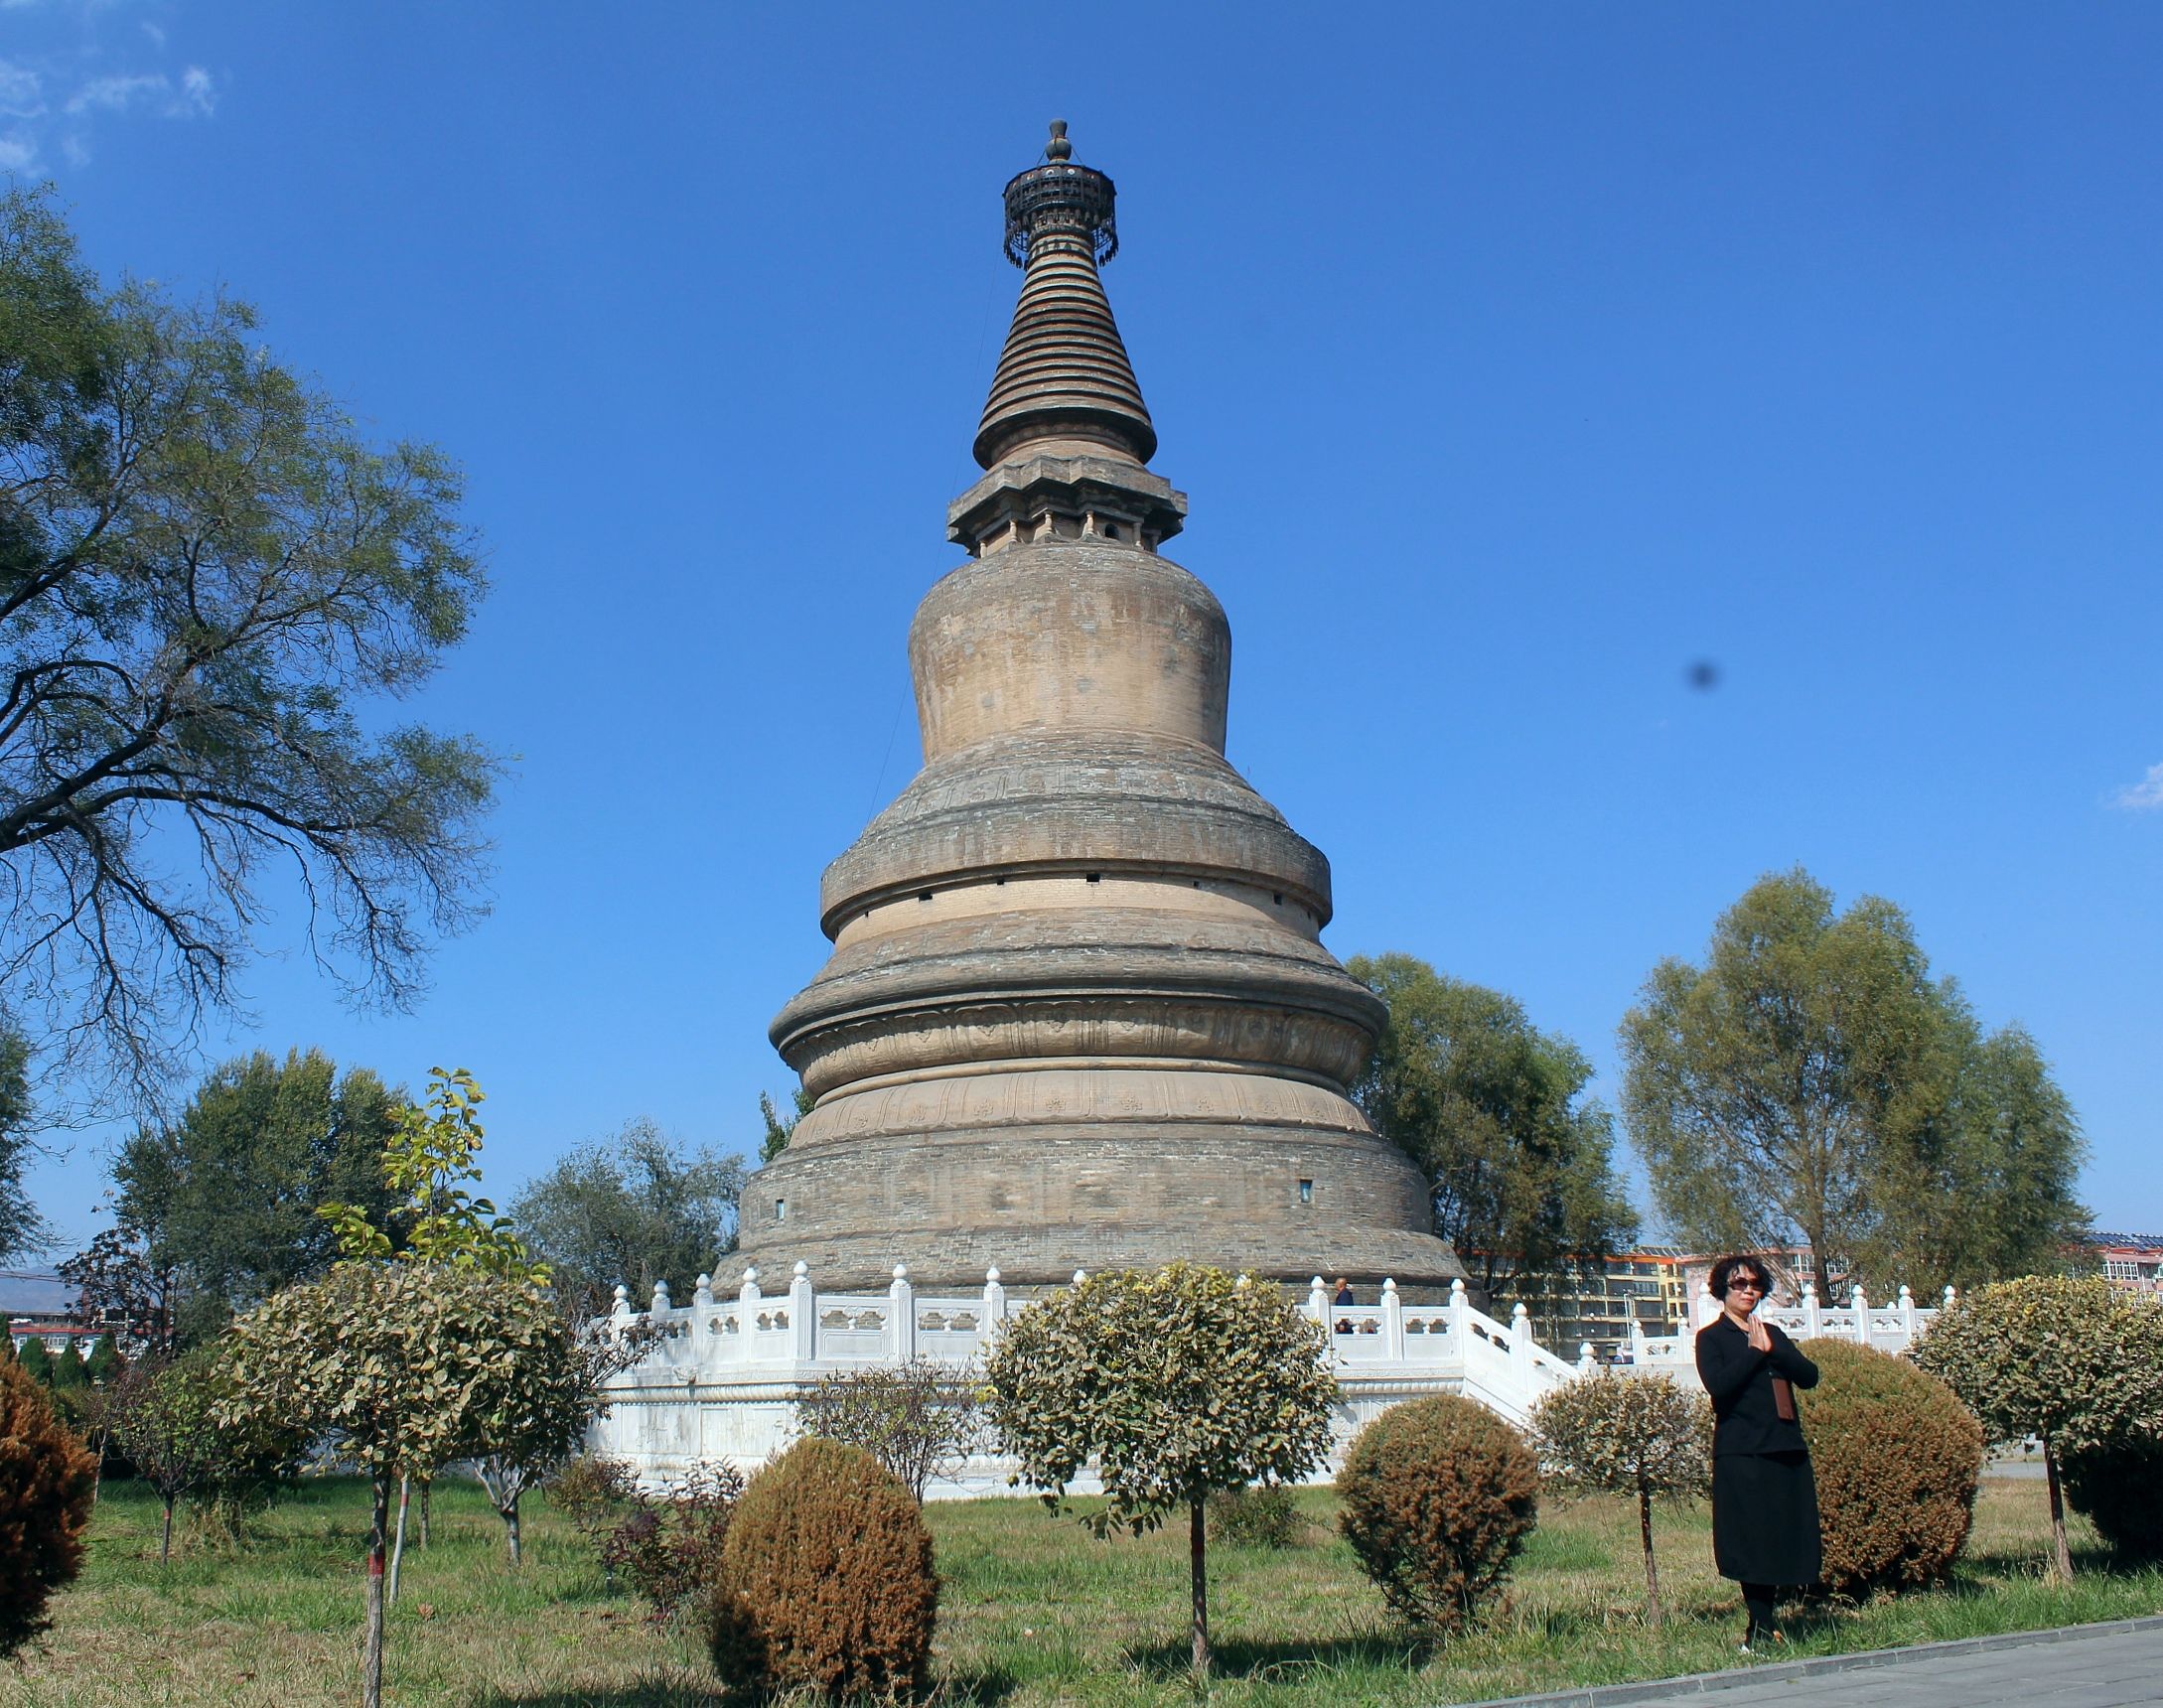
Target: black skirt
x: 1764, y: 1518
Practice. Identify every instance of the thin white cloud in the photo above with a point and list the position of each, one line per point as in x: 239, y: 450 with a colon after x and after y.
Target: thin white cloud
x: 22, y: 91
x: 2146, y: 796
x: 148, y: 92
x: 95, y: 71
x: 118, y: 93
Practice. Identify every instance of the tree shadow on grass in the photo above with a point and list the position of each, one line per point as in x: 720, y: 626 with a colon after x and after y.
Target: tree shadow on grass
x: 1281, y: 1662
x: 982, y: 1687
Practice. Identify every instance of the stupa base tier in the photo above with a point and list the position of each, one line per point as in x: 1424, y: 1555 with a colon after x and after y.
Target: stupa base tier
x: 1043, y: 1200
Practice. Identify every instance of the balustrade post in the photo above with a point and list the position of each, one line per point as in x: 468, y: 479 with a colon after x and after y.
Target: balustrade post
x: 748, y: 1298
x: 1586, y: 1365
x: 1707, y: 1307
x: 1639, y: 1354
x: 620, y: 1313
x: 703, y: 1318
x: 664, y: 1351
x: 1907, y: 1318
x: 1859, y: 1303
x: 802, y: 1314
x: 1953, y: 1298
x: 1460, y: 1321
x: 1812, y: 1312
x: 1392, y: 1323
x: 1318, y: 1302
x: 901, y: 1317
x: 994, y: 1304
x: 1520, y: 1350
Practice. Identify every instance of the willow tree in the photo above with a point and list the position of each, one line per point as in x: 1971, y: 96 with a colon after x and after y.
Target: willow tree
x: 1812, y: 1080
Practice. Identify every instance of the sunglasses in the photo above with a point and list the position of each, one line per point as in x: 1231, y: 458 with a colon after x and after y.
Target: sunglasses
x: 1757, y: 1287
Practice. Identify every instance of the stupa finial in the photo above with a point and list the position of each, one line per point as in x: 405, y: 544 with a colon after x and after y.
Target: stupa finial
x: 1064, y: 374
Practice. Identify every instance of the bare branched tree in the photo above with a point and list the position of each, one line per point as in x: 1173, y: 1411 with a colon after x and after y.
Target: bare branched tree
x: 206, y: 574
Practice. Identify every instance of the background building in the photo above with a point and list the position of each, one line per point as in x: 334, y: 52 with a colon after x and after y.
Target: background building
x: 37, y: 1302
x: 2132, y: 1261
x: 1595, y: 1299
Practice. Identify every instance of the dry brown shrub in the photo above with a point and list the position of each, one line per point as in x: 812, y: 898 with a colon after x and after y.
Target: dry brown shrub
x: 826, y: 1579
x: 1439, y: 1496
x: 1896, y: 1456
x: 46, y: 1476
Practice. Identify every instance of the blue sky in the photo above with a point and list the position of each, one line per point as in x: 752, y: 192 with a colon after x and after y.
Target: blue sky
x: 1514, y: 359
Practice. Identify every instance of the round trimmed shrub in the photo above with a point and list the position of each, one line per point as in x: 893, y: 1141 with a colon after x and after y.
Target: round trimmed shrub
x: 1439, y: 1496
x: 2120, y: 1489
x: 1896, y: 1456
x: 46, y: 1481
x: 826, y: 1579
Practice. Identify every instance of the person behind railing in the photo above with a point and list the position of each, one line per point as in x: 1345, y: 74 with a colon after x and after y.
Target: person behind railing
x: 1764, y: 1495
x: 1344, y: 1298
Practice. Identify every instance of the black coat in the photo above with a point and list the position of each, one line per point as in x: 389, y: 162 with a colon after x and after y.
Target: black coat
x: 1764, y: 1496
x: 1739, y: 1381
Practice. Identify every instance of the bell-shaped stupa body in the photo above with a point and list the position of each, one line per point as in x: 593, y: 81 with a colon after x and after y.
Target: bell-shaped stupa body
x: 1078, y: 1015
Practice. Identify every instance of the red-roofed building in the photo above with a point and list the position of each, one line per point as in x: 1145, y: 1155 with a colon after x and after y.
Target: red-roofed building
x: 2132, y: 1261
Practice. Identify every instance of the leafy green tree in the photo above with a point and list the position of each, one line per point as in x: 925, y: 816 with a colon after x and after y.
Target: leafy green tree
x: 69, y: 1370
x: 399, y: 1367
x: 105, y: 1363
x: 165, y: 1425
x: 210, y: 586
x: 1631, y: 1435
x: 1176, y: 1383
x: 223, y: 1200
x: 555, y: 1392
x: 166, y: 1419
x: 22, y: 1232
x: 1494, y: 1114
x: 1984, y: 1185
x: 426, y: 1166
x: 2071, y: 1361
x: 633, y: 1209
x: 1811, y: 1082
x: 780, y: 1130
x: 36, y: 1363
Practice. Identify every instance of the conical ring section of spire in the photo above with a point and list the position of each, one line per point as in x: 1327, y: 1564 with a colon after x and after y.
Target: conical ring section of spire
x: 1077, y: 1013
x: 1063, y: 373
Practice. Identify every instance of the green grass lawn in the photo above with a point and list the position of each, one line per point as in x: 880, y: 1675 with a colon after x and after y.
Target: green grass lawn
x: 1035, y: 1612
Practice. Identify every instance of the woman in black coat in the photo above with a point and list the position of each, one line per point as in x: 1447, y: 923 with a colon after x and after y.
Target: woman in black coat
x: 1764, y: 1498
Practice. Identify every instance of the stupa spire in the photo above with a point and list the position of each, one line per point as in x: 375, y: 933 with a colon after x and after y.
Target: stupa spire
x: 1063, y: 375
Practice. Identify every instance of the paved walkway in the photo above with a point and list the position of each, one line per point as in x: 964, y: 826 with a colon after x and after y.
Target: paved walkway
x: 2110, y: 1665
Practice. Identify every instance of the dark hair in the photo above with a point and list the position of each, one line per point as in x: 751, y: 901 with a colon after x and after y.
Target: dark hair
x: 1724, y: 1272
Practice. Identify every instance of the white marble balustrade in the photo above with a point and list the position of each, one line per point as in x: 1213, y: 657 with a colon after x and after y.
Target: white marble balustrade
x: 721, y: 1375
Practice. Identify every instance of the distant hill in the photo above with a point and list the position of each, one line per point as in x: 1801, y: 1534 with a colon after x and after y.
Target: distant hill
x: 33, y: 1293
